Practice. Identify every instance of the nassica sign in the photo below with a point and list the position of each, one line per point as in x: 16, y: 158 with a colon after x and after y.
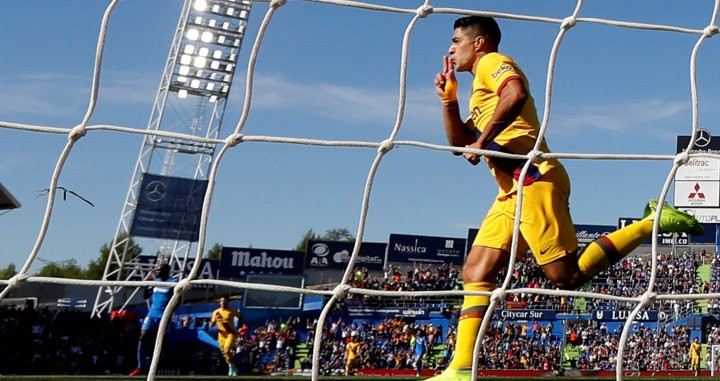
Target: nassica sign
x: 336, y: 255
x: 418, y: 248
x: 236, y: 262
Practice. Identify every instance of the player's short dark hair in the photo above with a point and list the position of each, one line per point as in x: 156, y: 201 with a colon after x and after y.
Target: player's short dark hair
x: 163, y: 268
x: 484, y: 26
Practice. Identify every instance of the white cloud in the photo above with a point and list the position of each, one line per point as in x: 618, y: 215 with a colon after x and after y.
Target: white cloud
x: 636, y: 116
x: 49, y: 94
x: 55, y: 95
x: 350, y: 104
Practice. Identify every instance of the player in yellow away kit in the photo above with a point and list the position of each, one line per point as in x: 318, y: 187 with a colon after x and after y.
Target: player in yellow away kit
x: 224, y: 317
x: 695, y: 352
x: 503, y: 118
x: 352, y: 359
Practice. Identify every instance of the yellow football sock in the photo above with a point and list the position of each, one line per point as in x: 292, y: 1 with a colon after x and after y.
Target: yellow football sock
x: 608, y: 250
x: 471, y: 316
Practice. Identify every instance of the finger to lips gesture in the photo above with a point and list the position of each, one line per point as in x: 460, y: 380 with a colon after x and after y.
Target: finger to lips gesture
x: 445, y: 82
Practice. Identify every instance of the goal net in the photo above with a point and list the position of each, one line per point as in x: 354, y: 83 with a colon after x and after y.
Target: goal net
x: 237, y: 139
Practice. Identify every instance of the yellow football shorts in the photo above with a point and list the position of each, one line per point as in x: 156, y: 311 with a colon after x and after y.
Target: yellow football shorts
x: 545, y: 223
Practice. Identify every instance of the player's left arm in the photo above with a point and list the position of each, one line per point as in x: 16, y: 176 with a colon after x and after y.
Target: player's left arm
x: 512, y: 99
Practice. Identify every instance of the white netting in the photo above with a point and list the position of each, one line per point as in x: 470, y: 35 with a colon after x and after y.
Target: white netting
x: 384, y: 147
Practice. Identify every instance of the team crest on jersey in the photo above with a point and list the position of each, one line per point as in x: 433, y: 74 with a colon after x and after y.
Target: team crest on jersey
x: 502, y: 69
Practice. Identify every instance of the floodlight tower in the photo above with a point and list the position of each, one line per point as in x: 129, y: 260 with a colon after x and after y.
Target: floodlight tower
x: 191, y: 99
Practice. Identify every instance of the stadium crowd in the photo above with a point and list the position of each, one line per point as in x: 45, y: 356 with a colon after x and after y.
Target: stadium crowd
x: 419, y: 277
x: 389, y: 344
x: 714, y: 285
x: 51, y: 341
x: 646, y: 349
x: 64, y: 341
x: 676, y: 274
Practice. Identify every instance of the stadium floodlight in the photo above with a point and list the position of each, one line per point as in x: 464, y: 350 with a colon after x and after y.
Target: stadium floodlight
x: 199, y: 62
x: 200, y: 5
x: 192, y: 34
x: 210, y: 40
x: 206, y: 37
x: 182, y: 93
x: 7, y: 201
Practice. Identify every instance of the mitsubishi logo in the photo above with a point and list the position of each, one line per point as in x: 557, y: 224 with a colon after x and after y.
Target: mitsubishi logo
x: 697, y: 192
x: 703, y: 138
x: 155, y: 191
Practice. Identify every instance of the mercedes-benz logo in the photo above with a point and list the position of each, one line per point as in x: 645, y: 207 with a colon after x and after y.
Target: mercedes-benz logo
x: 703, y: 138
x: 155, y: 191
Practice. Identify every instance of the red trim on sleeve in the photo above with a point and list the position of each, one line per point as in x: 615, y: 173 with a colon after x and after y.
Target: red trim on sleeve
x: 505, y: 82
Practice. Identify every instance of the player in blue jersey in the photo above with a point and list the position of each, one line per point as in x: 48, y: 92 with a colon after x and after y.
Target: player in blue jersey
x: 159, y: 297
x: 419, y: 351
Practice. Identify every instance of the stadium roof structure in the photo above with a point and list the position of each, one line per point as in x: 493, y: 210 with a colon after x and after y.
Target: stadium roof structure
x: 7, y: 201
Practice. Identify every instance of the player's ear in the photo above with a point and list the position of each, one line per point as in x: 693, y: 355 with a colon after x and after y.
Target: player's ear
x: 478, y: 42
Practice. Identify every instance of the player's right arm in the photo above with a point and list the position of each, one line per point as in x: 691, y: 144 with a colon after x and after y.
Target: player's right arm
x: 213, y: 320
x: 457, y: 132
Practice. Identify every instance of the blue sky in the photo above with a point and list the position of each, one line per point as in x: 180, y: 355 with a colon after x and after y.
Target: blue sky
x: 330, y: 72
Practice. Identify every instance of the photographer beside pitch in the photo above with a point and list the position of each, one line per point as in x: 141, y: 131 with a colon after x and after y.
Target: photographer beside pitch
x: 503, y: 118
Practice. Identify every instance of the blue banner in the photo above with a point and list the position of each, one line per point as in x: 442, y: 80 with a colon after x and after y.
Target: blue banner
x: 585, y: 234
x: 418, y: 248
x: 588, y: 233
x: 236, y: 262
x: 623, y: 315
x: 709, y: 235
x: 526, y: 314
x: 664, y: 239
x: 336, y: 255
x: 169, y: 207
x: 388, y: 312
x: 145, y: 265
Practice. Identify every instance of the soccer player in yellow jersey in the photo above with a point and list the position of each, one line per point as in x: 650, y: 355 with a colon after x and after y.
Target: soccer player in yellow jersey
x: 503, y: 118
x: 224, y: 317
x: 695, y: 352
x: 352, y: 359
